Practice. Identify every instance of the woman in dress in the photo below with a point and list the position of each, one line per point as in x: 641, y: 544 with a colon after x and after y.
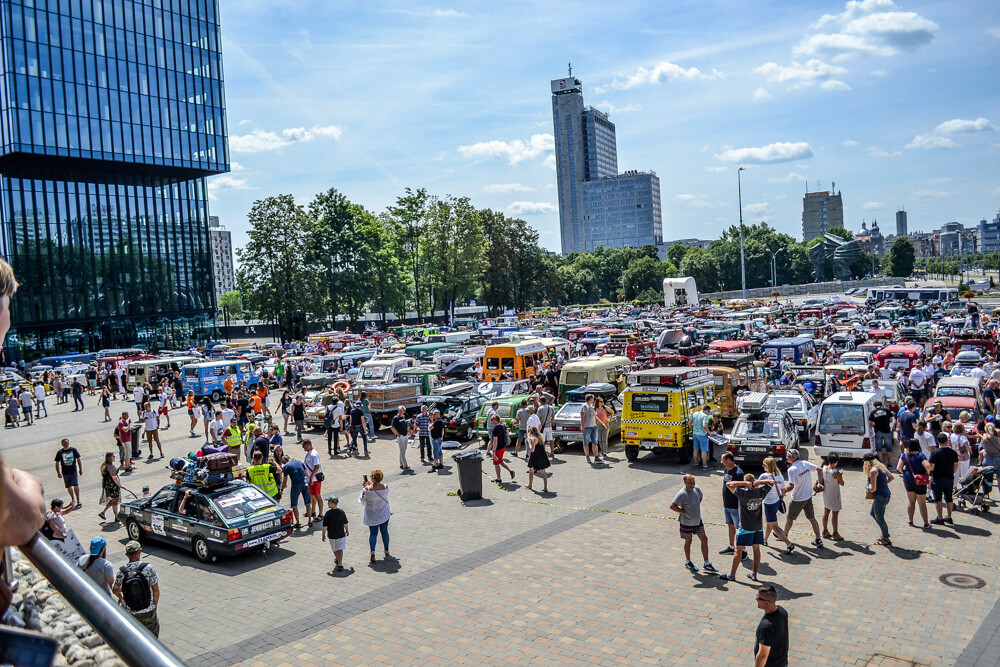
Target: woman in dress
x: 878, y: 477
x: 960, y: 443
x: 106, y: 402
x: 375, y: 498
x: 111, y: 492
x: 772, y: 502
x: 538, y: 460
x: 286, y: 409
x: 833, y: 479
x: 913, y: 462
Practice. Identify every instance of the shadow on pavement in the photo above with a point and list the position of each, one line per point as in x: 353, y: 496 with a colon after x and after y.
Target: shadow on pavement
x: 388, y: 565
x: 482, y: 502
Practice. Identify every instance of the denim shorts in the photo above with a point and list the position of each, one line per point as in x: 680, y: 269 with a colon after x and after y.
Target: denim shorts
x: 436, y: 444
x: 771, y: 511
x: 883, y: 442
x: 590, y: 435
x: 700, y: 442
x: 732, y: 516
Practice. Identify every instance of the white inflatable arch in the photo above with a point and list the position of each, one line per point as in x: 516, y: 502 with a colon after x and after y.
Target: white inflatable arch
x: 679, y: 292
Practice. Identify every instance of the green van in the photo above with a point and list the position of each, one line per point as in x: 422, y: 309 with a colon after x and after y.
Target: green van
x: 507, y: 411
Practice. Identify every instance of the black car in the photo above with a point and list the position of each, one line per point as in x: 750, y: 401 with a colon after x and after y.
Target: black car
x: 223, y: 518
x: 458, y: 412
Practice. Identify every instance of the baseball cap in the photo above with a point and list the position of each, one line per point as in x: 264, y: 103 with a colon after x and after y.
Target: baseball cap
x: 97, y: 545
x: 870, y: 456
x: 132, y: 547
x: 333, y: 499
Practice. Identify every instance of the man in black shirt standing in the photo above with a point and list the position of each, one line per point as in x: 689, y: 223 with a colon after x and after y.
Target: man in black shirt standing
x: 944, y: 465
x: 770, y: 648
x: 729, y: 503
x: 881, y: 420
x: 335, y: 527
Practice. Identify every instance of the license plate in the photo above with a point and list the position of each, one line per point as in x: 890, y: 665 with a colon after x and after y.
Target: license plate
x: 261, y: 526
x: 650, y: 443
x: 265, y: 538
x: 756, y: 450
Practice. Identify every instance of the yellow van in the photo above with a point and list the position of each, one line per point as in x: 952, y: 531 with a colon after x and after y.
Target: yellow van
x: 515, y: 360
x: 610, y: 368
x: 658, y: 407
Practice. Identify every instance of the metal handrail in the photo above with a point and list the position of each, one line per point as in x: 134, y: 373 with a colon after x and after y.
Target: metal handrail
x: 125, y: 635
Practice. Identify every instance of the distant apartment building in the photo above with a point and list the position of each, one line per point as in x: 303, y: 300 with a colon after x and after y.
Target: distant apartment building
x: 597, y: 205
x: 821, y: 211
x: 989, y: 235
x: 222, y: 258
x: 900, y: 223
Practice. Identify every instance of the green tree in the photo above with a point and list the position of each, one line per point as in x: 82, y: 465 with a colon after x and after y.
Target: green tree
x: 899, y: 260
x: 332, y: 249
x: 840, y: 232
x: 646, y: 273
x: 232, y: 301
x: 676, y: 252
x: 392, y: 286
x: 703, y: 267
x: 272, y: 276
x: 410, y: 213
x: 452, y: 250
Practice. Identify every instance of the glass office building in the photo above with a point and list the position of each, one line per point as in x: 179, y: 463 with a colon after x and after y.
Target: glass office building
x: 112, y: 113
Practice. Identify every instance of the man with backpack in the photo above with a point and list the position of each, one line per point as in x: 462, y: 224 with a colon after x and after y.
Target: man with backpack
x: 138, y: 589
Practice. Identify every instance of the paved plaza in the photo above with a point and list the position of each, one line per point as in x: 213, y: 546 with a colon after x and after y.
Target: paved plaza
x: 589, y: 573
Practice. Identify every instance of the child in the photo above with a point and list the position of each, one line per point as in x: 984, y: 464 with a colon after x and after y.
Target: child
x: 335, y: 525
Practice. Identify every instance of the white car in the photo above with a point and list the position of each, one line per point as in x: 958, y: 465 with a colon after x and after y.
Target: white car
x: 800, y: 406
x: 859, y: 359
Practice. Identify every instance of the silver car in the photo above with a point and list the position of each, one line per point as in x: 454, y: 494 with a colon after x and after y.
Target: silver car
x: 800, y: 406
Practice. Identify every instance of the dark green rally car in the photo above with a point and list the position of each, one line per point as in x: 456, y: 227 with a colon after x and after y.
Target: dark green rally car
x: 218, y: 519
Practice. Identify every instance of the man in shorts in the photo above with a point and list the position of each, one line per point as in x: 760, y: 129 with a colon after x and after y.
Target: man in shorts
x: 588, y: 426
x: 700, y: 431
x: 69, y: 467
x: 314, y: 480
x: 687, y: 503
x: 294, y: 472
x: 729, y: 503
x: 800, y: 487
x: 944, y: 465
x: 335, y: 526
x: 546, y: 415
x: 881, y: 420
x: 498, y: 445
x: 750, y: 494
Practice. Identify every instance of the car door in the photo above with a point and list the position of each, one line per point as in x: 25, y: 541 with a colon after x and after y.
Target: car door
x: 155, y: 522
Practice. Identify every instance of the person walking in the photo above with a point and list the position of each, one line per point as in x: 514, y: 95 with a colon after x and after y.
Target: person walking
x: 882, y: 422
x: 750, y: 494
x: 773, y: 501
x: 603, y: 419
x: 878, y: 477
x: 699, y: 422
x: 832, y: 478
x: 125, y: 438
x: 730, y: 505
x: 76, y: 389
x: 944, y: 465
x: 366, y: 410
x: 105, y: 403
x: 40, y: 400
x: 915, y: 469
x: 151, y: 425
x: 989, y: 449
x: 139, y: 397
x: 286, y: 408
x: 374, y: 497
x: 588, y: 425
x: 546, y: 417
x: 299, y: 416
x: 687, y: 504
x: 770, y: 647
x: 401, y: 430
x: 422, y: 423
x: 27, y: 400
x: 192, y: 406
x: 111, y: 487
x: 358, y: 427
x: 294, y: 472
x: 96, y: 565
x: 800, y: 486
x: 538, y: 461
x: 138, y: 589
x: 335, y: 526
x: 498, y: 446
x: 69, y: 467
x: 437, y: 440
x: 314, y: 479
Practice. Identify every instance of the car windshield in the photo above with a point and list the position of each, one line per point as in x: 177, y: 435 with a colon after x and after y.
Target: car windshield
x: 242, y: 501
x: 784, y: 403
x: 374, y: 372
x: 576, y: 378
x: 758, y: 428
x: 968, y: 392
x: 848, y: 419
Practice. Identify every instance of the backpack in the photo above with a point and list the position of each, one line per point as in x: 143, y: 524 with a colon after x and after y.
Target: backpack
x: 135, y: 588
x: 328, y: 418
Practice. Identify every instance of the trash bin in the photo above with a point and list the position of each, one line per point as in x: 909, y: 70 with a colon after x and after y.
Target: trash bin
x: 136, y: 443
x: 470, y: 474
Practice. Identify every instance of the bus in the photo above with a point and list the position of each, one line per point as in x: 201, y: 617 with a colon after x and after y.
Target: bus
x: 70, y: 358
x: 943, y: 294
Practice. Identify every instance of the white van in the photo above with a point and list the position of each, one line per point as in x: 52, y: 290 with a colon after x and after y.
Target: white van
x: 843, y: 424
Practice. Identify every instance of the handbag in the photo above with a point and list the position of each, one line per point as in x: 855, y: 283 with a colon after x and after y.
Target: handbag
x: 919, y: 480
x: 320, y: 477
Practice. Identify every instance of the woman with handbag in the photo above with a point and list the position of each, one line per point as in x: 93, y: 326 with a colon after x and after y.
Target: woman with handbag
x: 915, y: 468
x: 878, y: 485
x: 375, y: 498
x: 831, y: 478
x: 774, y: 502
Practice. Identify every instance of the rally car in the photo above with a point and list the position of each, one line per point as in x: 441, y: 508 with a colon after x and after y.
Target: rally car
x: 762, y: 431
x: 220, y: 519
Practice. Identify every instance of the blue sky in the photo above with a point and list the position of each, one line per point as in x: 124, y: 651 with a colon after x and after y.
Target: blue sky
x: 895, y: 102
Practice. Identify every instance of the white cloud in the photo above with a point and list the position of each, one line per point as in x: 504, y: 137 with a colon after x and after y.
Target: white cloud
x: 761, y: 95
x: 448, y: 13
x: 777, y: 152
x: 514, y: 151
x: 833, y: 84
x: 223, y: 182
x: 876, y: 152
x: 929, y: 141
x: 235, y: 166
x: 790, y: 178
x: 716, y: 170
x: 660, y: 72
x: 849, y: 142
x: 807, y: 74
x: 932, y: 194
x: 259, y: 140
x: 531, y: 207
x: 994, y: 32
x: 868, y: 28
x: 507, y: 187
x: 611, y: 108
x: 696, y: 201
x: 940, y: 180
x: 880, y: 73
x: 960, y: 126
x: 550, y: 161
x: 873, y: 206
x: 757, y: 207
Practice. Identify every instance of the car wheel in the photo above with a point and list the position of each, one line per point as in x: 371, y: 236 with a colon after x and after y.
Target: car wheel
x: 134, y: 530
x: 686, y: 454
x: 631, y: 452
x: 216, y: 396
x: 201, y: 550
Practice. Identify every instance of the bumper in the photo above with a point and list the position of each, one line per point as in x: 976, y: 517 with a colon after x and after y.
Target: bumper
x: 233, y: 548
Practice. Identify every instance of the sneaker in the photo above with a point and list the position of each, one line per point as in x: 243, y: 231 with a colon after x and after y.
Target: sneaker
x: 745, y: 555
x: 728, y: 550
x: 708, y: 567
x: 938, y: 522
x: 818, y: 543
x: 790, y: 548
x: 691, y: 566
x: 752, y: 576
x: 706, y: 468
x: 588, y: 460
x: 727, y: 577
x: 950, y: 521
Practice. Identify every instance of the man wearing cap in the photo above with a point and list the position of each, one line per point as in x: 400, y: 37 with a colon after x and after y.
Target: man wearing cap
x: 335, y: 527
x: 96, y: 567
x: 130, y: 597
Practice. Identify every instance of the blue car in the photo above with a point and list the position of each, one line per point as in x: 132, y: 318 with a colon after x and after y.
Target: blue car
x: 206, y: 379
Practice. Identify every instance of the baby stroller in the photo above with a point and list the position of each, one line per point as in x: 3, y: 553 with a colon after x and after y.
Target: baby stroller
x: 973, y: 488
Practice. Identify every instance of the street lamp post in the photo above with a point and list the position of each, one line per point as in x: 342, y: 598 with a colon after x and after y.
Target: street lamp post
x: 774, y: 268
x: 743, y: 259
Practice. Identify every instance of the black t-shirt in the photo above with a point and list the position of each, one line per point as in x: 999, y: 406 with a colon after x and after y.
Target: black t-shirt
x: 989, y: 395
x: 437, y: 429
x: 551, y: 378
x: 882, y: 419
x: 67, y: 460
x: 334, y: 521
x: 357, y: 417
x: 298, y: 411
x: 399, y: 424
x: 772, y: 631
x: 77, y: 388
x: 944, y: 459
x: 91, y: 374
x: 751, y: 508
x: 500, y: 433
x: 728, y: 497
x: 178, y: 386
x: 243, y: 404
x: 259, y: 445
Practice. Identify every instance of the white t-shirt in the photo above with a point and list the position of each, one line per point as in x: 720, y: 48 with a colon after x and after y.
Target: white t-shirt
x: 138, y: 393
x: 534, y: 421
x: 927, y: 442
x: 917, y: 379
x: 800, y: 474
x: 312, y: 463
x: 886, y: 372
x: 40, y: 392
x: 216, y: 427
x: 227, y: 416
x: 774, y: 495
x: 149, y: 420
